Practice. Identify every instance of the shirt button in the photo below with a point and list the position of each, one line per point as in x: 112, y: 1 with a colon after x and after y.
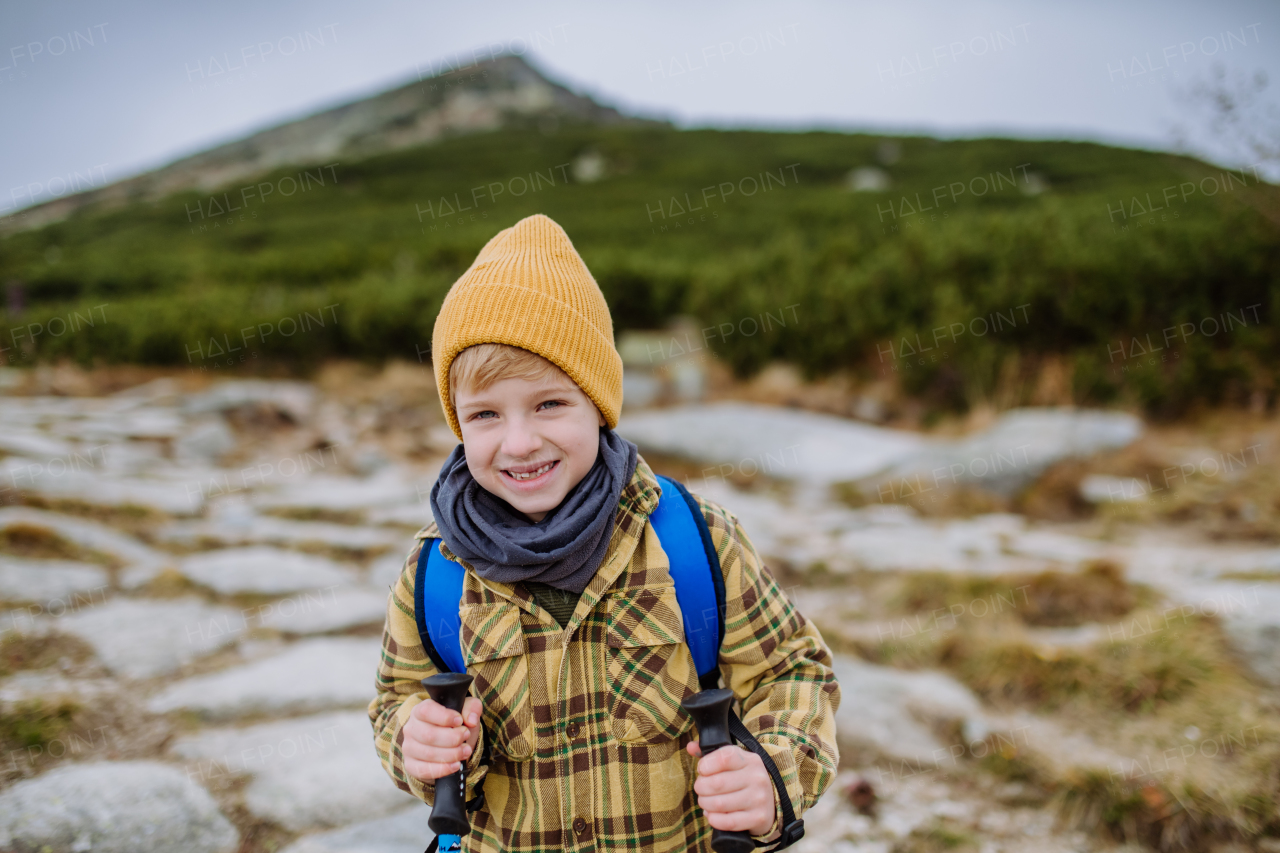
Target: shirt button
x: 572, y: 730
x: 579, y: 825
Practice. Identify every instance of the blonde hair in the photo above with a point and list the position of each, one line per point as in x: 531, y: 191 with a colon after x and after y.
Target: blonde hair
x: 481, y: 365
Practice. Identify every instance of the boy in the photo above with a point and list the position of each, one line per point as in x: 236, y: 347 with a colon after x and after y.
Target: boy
x: 570, y: 623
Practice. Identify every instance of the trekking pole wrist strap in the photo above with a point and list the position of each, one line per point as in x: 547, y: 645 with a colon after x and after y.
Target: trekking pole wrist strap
x: 792, y: 828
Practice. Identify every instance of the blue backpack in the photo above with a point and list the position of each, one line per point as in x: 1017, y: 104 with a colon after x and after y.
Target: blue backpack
x: 699, y: 581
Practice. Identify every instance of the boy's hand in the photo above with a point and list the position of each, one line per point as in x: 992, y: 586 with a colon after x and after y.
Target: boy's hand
x: 734, y: 789
x: 437, y: 741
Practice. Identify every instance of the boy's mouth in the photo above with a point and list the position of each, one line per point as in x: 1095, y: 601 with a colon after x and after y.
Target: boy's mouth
x: 524, y: 473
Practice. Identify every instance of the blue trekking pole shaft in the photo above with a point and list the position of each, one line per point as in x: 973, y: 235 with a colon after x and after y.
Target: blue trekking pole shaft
x: 449, y: 814
x: 710, y: 711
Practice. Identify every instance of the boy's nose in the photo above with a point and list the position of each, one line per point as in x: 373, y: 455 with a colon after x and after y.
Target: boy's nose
x: 520, y: 442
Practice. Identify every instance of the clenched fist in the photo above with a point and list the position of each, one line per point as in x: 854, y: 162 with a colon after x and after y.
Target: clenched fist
x: 437, y: 741
x: 734, y: 789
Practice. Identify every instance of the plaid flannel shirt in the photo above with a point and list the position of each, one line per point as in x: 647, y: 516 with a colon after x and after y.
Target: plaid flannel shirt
x: 588, y: 734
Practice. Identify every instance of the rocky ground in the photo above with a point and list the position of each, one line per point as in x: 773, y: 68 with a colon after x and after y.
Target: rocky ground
x: 1055, y: 630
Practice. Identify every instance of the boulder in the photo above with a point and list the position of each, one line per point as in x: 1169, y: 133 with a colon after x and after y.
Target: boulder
x: 310, y: 675
x: 113, y: 807
x: 315, y: 772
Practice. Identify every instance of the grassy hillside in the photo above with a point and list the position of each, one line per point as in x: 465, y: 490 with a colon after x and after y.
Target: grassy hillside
x: 1011, y: 290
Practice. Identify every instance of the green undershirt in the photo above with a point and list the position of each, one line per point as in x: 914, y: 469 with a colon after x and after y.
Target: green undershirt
x: 560, y: 603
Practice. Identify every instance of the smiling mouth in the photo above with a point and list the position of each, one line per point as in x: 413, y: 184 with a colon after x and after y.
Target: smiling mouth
x: 532, y: 475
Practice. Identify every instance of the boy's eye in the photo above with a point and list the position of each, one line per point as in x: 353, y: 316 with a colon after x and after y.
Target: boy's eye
x: 480, y: 415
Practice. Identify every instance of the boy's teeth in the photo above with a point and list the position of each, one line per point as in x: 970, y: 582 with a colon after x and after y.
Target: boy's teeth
x: 531, y: 474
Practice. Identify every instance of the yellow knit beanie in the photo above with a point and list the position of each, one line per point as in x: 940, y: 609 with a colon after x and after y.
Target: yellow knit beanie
x: 529, y: 288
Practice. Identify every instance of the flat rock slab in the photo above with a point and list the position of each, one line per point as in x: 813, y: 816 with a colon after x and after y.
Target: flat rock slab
x: 310, y: 675
x: 334, y: 493
x: 145, y: 638
x: 895, y: 713
x: 113, y: 807
x: 329, y: 609
x: 140, y: 562
x: 315, y: 772
x: 263, y: 569
x: 50, y: 581
x: 262, y: 529
x: 781, y: 443
x: 1250, y: 616
x: 1015, y: 451
x: 405, y: 831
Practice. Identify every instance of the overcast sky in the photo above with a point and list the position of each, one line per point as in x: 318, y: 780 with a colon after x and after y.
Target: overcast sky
x: 112, y: 89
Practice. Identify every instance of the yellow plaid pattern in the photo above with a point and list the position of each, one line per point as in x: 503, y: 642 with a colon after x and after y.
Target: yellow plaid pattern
x: 588, y: 733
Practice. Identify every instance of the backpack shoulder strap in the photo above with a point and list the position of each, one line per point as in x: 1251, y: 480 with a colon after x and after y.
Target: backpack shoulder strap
x: 437, y: 591
x: 695, y: 568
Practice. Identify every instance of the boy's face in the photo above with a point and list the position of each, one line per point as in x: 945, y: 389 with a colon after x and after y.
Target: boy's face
x: 518, y: 425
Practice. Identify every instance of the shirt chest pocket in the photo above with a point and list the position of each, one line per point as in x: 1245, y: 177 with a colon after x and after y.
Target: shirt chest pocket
x: 649, y: 667
x: 494, y: 649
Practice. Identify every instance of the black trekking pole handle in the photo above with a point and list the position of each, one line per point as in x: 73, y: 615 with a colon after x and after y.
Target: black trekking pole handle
x: 449, y: 814
x: 710, y: 711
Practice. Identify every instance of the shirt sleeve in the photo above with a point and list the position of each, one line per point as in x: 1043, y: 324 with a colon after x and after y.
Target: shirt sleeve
x: 403, y: 665
x: 777, y: 664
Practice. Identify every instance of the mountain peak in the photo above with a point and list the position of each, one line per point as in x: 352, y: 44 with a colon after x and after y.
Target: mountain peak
x: 490, y: 95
